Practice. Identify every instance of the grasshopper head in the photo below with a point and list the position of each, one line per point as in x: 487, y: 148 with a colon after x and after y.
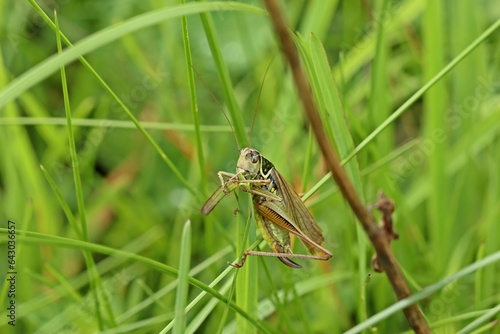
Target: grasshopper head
x: 249, y: 161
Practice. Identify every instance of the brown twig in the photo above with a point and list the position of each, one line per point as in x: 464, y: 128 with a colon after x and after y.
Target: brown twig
x: 377, y: 235
x: 386, y: 207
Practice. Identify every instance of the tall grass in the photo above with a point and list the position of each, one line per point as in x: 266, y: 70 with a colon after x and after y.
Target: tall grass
x: 105, y: 247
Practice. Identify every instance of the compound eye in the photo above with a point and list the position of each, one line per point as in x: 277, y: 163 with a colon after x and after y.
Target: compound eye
x: 254, y: 157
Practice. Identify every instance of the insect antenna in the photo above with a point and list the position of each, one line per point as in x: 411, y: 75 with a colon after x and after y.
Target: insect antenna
x: 258, y: 101
x: 220, y: 106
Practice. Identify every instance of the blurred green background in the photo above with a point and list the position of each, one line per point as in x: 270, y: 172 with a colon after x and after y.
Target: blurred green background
x: 99, y: 252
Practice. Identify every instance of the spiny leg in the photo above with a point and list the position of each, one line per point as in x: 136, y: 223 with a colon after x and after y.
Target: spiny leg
x: 280, y: 255
x: 284, y: 257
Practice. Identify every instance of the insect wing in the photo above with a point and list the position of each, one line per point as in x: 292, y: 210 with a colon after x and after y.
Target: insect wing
x: 299, y: 219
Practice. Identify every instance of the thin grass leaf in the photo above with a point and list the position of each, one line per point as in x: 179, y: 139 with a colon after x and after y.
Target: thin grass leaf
x: 111, y: 123
x: 318, y: 16
x: 379, y: 94
x: 140, y: 325
x: 247, y: 278
x: 479, y: 321
x: 194, y: 102
x: 64, y: 283
x: 455, y: 319
x: 435, y: 100
x: 331, y: 109
x: 277, y: 300
x: 94, y: 279
x: 227, y: 86
x: 307, y: 163
x: 183, y: 284
x: 397, y: 153
x: 207, y: 310
x: 64, y: 205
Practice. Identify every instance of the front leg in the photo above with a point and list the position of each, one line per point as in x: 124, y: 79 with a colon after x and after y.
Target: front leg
x: 239, y: 179
x: 225, y: 188
x: 231, y: 178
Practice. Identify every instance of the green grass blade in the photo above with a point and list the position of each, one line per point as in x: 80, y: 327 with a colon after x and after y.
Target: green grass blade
x: 379, y: 94
x: 247, y: 278
x: 317, y: 17
x: 64, y: 205
x: 331, y: 108
x: 95, y: 281
x: 479, y: 321
x: 110, y: 123
x: 94, y: 276
x: 435, y: 101
x: 307, y: 164
x: 194, y: 103
x: 72, y: 147
x: 207, y: 310
x: 182, y: 286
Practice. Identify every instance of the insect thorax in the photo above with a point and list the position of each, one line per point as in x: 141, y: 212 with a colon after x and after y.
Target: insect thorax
x: 265, y: 173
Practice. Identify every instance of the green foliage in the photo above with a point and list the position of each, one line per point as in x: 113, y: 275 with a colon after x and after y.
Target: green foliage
x: 408, y: 93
